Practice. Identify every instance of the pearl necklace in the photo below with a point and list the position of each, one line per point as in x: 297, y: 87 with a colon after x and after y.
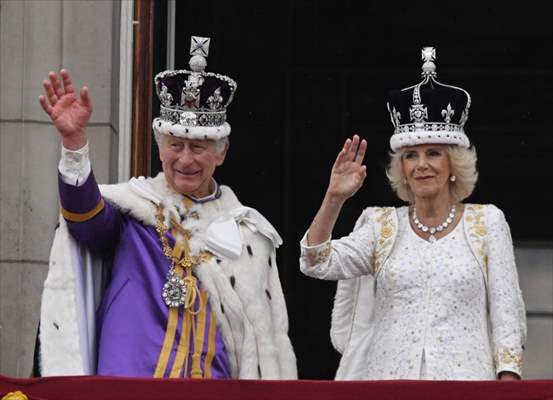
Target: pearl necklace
x: 439, y: 228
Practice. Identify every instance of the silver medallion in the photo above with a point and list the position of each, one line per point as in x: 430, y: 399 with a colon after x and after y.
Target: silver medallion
x: 174, y: 290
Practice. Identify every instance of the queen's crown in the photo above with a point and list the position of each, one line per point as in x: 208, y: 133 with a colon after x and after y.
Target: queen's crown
x: 430, y: 111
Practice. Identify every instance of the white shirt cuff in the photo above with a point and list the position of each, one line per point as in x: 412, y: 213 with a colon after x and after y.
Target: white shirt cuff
x: 74, y: 166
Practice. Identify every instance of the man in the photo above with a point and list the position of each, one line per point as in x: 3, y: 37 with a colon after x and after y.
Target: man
x: 192, y: 283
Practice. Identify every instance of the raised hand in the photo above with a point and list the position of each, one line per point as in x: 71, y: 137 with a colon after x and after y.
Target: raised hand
x: 69, y: 115
x: 346, y: 178
x: 348, y: 173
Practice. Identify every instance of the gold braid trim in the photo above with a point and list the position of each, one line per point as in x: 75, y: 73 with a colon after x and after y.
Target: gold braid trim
x: 82, y: 217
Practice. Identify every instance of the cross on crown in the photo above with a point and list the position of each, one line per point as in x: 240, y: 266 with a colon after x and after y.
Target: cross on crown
x: 199, y: 46
x: 428, y: 54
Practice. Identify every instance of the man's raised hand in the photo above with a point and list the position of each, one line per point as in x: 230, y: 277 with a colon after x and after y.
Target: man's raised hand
x: 69, y: 115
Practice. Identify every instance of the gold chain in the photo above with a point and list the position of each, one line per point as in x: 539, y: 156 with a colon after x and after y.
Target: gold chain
x: 187, y: 261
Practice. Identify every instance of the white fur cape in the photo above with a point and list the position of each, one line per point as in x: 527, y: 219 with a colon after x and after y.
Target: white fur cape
x: 244, y: 288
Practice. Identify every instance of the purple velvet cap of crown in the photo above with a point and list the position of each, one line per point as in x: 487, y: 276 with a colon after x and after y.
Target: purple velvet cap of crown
x: 430, y: 111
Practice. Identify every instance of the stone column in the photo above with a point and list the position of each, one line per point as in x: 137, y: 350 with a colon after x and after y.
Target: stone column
x: 38, y: 36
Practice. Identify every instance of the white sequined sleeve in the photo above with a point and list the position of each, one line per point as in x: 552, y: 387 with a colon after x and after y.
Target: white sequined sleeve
x: 345, y: 258
x: 507, y: 311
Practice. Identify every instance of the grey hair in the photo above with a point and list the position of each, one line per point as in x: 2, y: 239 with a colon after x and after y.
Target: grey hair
x: 220, y: 144
x: 462, y: 164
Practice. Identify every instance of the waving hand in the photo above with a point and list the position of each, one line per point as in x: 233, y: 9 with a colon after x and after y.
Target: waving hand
x: 347, y: 176
x: 348, y: 173
x: 69, y: 115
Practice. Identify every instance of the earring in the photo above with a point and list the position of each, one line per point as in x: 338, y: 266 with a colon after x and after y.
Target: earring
x: 452, y: 178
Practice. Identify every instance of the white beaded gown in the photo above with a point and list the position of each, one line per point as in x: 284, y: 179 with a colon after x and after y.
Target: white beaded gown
x: 436, y: 313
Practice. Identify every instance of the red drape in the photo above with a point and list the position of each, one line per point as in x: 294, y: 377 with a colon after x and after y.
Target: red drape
x: 107, y: 388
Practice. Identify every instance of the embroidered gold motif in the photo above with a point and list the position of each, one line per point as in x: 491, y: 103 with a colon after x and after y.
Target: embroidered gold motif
x: 477, y: 229
x: 319, y: 256
x: 481, y: 230
x: 387, y: 229
x: 508, y: 355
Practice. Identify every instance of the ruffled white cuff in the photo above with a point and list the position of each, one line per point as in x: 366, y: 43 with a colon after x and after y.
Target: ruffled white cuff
x: 74, y: 166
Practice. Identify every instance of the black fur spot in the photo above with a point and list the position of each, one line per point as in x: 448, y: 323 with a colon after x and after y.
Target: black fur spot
x: 268, y: 294
x: 187, y: 130
x: 232, y: 281
x: 270, y: 261
x: 222, y: 309
x: 56, y: 326
x: 205, y: 137
x: 159, y: 124
x: 218, y: 260
x: 249, y: 250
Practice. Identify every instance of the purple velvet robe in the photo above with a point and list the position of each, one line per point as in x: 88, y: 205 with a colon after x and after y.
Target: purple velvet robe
x: 132, y: 317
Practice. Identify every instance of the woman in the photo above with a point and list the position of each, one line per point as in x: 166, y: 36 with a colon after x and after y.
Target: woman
x: 436, y: 294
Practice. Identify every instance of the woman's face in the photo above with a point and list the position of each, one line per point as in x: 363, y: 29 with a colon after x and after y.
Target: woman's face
x: 427, y: 170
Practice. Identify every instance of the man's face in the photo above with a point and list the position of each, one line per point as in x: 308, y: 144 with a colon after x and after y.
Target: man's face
x: 189, y: 164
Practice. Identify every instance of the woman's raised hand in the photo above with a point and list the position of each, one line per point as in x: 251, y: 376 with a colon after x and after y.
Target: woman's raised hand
x: 348, y: 172
x: 69, y: 114
x: 346, y: 178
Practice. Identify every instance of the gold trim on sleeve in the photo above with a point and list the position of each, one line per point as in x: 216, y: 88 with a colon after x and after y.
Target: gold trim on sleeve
x: 319, y: 255
x: 508, y: 356
x: 82, y: 217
